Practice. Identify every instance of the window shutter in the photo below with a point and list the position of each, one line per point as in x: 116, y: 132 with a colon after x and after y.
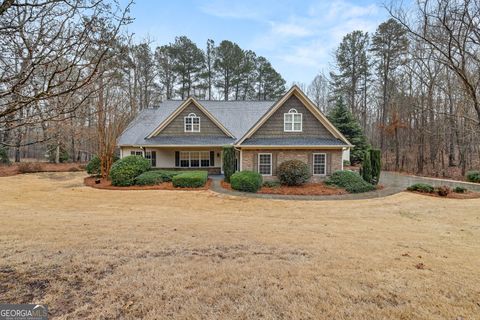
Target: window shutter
x: 255, y: 162
x: 274, y: 163
x: 212, y: 158
x: 177, y: 158
x: 328, y: 164
x: 310, y: 162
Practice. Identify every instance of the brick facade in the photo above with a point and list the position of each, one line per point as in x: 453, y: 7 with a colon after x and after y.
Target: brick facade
x: 334, y: 160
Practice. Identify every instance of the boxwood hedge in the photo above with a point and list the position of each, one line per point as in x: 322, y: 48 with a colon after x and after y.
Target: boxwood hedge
x: 190, y: 179
x: 247, y: 181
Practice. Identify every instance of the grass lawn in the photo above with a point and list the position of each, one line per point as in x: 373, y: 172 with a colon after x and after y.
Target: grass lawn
x: 94, y: 254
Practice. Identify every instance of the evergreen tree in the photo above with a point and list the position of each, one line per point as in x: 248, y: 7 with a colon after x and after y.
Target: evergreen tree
x: 352, y: 64
x: 227, y: 64
x: 165, y: 62
x: 189, y: 62
x: 343, y: 119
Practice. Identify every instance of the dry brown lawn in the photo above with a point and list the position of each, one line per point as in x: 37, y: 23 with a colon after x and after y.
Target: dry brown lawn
x: 98, y: 254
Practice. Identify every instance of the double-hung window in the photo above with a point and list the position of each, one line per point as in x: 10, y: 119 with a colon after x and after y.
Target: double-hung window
x: 192, y: 123
x: 319, y: 164
x: 292, y: 121
x: 265, y: 164
x: 136, y: 153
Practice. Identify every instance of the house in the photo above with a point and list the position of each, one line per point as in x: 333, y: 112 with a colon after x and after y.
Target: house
x: 190, y: 134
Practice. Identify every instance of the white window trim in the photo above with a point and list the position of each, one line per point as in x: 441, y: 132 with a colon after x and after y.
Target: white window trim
x: 199, y: 159
x: 313, y: 164
x: 271, y: 164
x: 292, y: 129
x: 191, y: 116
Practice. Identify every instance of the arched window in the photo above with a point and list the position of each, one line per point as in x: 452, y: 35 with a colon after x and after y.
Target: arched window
x: 192, y: 123
x: 292, y: 121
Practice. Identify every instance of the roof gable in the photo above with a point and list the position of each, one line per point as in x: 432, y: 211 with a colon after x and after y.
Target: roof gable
x: 189, y: 103
x: 318, y: 123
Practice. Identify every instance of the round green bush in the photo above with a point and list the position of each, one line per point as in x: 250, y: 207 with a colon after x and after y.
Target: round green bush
x: 293, y: 172
x: 247, y: 181
x: 459, y: 189
x: 473, y: 176
x: 351, y: 181
x: 124, y: 171
x: 93, y: 166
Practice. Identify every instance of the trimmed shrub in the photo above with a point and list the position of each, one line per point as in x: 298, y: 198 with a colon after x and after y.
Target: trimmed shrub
x: 376, y: 165
x: 149, y: 178
x: 459, y: 189
x: 346, y: 163
x: 293, y: 172
x: 421, y: 187
x: 4, y: 156
x: 443, y: 191
x: 271, y: 184
x: 124, y: 171
x: 473, y: 176
x: 247, y: 181
x: 167, y: 175
x: 350, y: 181
x: 93, y: 166
x: 228, y: 162
x: 190, y: 179
x: 366, y: 171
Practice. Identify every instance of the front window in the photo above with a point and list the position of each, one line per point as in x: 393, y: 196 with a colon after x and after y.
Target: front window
x: 152, y: 156
x: 136, y: 153
x: 194, y: 159
x: 319, y: 163
x: 292, y: 121
x: 265, y: 164
x: 192, y: 123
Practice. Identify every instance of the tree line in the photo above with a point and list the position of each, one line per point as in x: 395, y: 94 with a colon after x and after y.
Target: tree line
x: 72, y: 77
x: 181, y: 69
x: 413, y: 86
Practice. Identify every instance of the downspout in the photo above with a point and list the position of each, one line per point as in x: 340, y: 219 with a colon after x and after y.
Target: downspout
x: 241, y: 157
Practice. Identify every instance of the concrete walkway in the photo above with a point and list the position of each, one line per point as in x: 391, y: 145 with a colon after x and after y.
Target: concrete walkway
x: 393, y: 183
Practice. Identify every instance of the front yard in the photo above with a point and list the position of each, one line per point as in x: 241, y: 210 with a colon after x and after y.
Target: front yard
x: 90, y: 253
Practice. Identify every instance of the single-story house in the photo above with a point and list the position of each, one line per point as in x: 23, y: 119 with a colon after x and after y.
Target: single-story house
x: 190, y: 134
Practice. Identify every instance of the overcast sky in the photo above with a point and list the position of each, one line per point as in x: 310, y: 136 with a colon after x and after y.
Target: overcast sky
x: 298, y: 37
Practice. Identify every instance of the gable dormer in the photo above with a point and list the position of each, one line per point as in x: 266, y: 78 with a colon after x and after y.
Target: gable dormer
x: 190, y: 119
x: 294, y: 116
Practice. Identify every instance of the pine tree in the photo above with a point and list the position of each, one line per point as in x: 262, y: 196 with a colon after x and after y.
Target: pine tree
x: 343, y: 119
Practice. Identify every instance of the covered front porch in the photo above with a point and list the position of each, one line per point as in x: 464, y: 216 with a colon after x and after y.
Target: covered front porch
x: 179, y: 158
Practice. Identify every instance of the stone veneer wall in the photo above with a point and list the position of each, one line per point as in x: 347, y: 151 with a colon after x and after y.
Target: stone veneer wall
x: 334, y: 160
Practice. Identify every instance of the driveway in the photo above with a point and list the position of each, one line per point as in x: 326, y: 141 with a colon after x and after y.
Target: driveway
x: 392, y: 183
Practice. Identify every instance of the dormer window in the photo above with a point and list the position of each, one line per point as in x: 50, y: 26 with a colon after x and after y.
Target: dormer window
x: 192, y: 123
x: 292, y: 121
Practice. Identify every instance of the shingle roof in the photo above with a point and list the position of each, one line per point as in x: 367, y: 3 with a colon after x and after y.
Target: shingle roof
x: 237, y: 116
x: 293, y: 142
x: 189, y: 140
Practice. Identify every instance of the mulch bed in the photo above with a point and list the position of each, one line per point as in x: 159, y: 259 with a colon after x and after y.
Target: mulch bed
x: 107, y: 184
x: 451, y: 195
x: 309, y: 189
x: 32, y: 167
